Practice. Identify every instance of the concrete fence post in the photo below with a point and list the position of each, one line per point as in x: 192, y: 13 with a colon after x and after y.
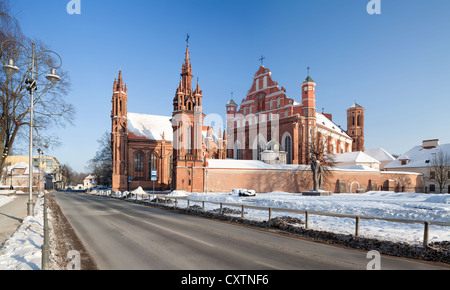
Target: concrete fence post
x: 242, y: 214
x: 306, y: 219
x: 357, y: 227
x: 426, y: 234
x: 270, y: 213
x: 221, y: 208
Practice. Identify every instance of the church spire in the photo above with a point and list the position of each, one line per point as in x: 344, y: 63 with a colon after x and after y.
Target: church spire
x: 186, y: 72
x: 118, y: 84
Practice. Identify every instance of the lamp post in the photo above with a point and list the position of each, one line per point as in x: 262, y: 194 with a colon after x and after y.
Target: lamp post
x: 11, y: 69
x: 45, y: 246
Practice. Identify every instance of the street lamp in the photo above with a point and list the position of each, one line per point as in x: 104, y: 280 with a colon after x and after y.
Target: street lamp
x: 10, y: 68
x: 31, y: 83
x: 45, y: 246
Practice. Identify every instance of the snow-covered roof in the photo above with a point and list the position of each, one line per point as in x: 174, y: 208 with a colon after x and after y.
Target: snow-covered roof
x: 151, y: 127
x: 379, y: 154
x: 419, y: 157
x: 22, y: 165
x: 353, y: 157
x: 324, y: 121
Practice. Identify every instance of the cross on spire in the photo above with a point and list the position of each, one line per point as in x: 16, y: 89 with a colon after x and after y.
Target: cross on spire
x: 262, y: 59
x: 308, y: 69
x: 187, y: 39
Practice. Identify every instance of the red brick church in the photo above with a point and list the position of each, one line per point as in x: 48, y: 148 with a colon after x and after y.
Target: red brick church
x: 268, y: 120
x: 178, y: 147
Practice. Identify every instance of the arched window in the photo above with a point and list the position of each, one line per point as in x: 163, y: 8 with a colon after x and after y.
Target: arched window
x: 324, y: 145
x: 261, y: 147
x: 139, y: 165
x: 288, y: 148
x: 170, y: 166
x: 237, y: 151
x: 152, y: 164
x: 189, y: 139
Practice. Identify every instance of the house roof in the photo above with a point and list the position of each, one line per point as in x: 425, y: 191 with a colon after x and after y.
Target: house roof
x: 418, y: 157
x: 324, y: 121
x: 151, y: 127
x: 379, y: 154
x: 25, y: 166
x: 353, y: 157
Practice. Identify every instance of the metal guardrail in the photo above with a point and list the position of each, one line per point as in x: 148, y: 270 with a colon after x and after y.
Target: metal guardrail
x: 357, y: 218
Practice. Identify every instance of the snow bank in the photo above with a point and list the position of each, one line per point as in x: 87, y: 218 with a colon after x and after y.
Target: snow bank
x: 23, y: 250
x: 5, y: 199
x: 382, y: 204
x: 138, y: 190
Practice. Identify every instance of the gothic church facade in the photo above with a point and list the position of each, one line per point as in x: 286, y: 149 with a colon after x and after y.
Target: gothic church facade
x: 269, y: 120
x: 175, y: 147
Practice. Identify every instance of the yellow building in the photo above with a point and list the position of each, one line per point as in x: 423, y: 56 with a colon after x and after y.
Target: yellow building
x: 50, y: 165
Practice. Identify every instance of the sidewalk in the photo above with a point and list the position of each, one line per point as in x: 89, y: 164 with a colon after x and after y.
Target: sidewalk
x: 12, y: 215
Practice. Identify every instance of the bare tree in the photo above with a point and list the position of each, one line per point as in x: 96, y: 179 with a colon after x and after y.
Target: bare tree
x: 101, y: 164
x: 440, y: 168
x: 50, y: 108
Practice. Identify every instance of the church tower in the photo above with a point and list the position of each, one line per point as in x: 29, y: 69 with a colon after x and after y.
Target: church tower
x: 355, y: 126
x: 309, y: 113
x: 119, y: 134
x: 187, y: 121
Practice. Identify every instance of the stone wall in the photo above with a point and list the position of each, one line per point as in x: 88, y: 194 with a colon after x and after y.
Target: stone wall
x: 295, y: 181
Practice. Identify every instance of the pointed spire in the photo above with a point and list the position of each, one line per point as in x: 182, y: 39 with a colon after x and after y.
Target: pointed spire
x: 197, y: 89
x: 187, y: 59
x: 118, y: 84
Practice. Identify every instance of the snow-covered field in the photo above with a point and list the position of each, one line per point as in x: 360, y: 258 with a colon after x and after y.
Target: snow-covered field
x: 411, y: 206
x: 23, y: 249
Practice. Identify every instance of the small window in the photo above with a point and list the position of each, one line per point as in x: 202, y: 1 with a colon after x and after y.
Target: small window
x: 432, y: 188
x: 427, y: 161
x: 432, y: 175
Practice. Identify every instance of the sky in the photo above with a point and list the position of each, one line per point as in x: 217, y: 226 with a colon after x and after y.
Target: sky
x: 395, y: 64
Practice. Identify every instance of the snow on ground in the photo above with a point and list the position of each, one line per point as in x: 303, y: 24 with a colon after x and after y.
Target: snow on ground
x: 5, y: 199
x: 411, y: 206
x: 23, y: 249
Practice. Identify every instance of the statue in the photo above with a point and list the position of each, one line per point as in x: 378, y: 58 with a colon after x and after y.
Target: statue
x: 317, y: 171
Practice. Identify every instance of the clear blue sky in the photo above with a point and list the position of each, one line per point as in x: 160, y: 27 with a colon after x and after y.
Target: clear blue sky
x: 396, y: 65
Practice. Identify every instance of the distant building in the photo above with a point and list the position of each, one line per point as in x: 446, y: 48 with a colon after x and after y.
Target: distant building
x: 18, y: 177
x: 50, y: 165
x: 419, y: 159
x: 89, y: 182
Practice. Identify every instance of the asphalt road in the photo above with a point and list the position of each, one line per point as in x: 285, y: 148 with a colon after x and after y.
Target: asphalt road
x: 124, y: 236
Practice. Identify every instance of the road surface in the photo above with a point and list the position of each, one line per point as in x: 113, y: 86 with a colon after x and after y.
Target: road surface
x: 124, y: 236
